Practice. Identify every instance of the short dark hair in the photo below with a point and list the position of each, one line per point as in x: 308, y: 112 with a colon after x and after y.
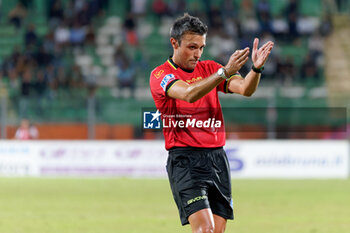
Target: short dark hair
x: 187, y: 24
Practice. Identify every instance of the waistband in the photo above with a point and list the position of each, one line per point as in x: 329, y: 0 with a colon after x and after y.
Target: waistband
x: 185, y: 149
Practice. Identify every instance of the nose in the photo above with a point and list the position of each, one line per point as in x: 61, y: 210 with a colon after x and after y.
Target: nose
x: 197, y: 53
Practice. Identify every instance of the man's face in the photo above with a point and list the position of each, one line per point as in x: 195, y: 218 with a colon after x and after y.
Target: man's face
x: 190, y: 51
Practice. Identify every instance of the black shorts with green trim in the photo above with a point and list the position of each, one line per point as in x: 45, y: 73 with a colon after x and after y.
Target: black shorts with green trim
x: 199, y: 179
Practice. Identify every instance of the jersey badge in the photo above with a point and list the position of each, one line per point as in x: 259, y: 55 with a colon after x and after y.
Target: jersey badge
x: 158, y: 74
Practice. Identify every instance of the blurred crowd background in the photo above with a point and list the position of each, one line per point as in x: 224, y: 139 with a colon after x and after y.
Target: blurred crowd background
x: 79, y: 69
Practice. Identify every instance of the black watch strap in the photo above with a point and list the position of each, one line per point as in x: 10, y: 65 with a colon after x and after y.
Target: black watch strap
x: 257, y: 70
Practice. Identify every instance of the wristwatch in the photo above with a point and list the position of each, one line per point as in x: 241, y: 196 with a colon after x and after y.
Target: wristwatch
x: 221, y: 73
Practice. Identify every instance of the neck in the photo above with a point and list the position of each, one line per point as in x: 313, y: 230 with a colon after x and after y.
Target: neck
x: 176, y: 61
x: 178, y: 64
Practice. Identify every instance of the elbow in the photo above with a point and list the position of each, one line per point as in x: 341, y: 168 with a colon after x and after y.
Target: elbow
x: 190, y: 99
x: 247, y: 93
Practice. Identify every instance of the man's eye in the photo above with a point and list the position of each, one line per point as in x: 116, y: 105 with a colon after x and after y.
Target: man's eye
x: 192, y: 47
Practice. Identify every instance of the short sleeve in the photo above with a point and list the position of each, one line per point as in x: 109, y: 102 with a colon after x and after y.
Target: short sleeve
x: 160, y: 82
x: 223, y: 86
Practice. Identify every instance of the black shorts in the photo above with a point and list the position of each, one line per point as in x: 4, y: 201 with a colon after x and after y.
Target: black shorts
x: 199, y: 179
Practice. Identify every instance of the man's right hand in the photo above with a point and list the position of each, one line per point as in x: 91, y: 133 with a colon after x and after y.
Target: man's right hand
x: 237, y: 60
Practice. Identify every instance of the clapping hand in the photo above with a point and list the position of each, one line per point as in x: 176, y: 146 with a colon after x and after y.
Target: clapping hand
x: 237, y: 60
x: 259, y: 56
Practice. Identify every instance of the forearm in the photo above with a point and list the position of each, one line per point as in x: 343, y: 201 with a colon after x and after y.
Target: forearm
x: 250, y: 83
x: 197, y: 90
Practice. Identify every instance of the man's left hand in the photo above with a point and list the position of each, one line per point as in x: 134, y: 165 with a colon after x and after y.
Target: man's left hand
x: 259, y: 56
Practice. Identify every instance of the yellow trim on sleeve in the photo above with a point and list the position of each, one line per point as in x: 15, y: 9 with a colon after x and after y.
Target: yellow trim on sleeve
x: 227, y: 82
x: 235, y: 75
x: 173, y: 82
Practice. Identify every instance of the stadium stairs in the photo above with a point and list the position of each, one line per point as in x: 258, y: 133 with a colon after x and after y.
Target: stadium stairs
x: 337, y: 66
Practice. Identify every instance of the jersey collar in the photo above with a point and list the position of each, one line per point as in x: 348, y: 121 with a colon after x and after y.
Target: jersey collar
x: 172, y: 64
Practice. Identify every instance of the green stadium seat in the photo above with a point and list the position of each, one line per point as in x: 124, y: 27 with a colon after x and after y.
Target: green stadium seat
x: 7, y: 30
x: 297, y: 53
x: 311, y: 7
x: 277, y: 7
x: 5, y: 51
x: 118, y: 8
x: 7, y: 6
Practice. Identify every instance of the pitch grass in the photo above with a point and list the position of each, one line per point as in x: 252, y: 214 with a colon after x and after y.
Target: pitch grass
x: 30, y: 205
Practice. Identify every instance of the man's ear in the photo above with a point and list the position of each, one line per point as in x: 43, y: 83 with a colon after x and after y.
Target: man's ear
x: 174, y: 43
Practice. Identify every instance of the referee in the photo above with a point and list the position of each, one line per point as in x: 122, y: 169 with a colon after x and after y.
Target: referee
x: 186, y: 88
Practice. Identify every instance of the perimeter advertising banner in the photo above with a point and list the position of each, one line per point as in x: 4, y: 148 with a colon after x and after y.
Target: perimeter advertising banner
x: 248, y: 159
x: 288, y: 159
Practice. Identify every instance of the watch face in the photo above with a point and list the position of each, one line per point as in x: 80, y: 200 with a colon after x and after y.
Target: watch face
x: 221, y: 73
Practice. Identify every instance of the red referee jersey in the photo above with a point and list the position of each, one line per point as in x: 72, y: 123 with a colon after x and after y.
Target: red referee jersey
x: 202, y: 121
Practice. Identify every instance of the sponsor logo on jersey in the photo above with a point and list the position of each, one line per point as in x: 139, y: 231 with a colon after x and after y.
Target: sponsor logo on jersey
x: 194, y: 80
x: 166, y: 80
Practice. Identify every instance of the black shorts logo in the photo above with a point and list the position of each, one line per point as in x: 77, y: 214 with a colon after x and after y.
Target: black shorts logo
x: 197, y: 199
